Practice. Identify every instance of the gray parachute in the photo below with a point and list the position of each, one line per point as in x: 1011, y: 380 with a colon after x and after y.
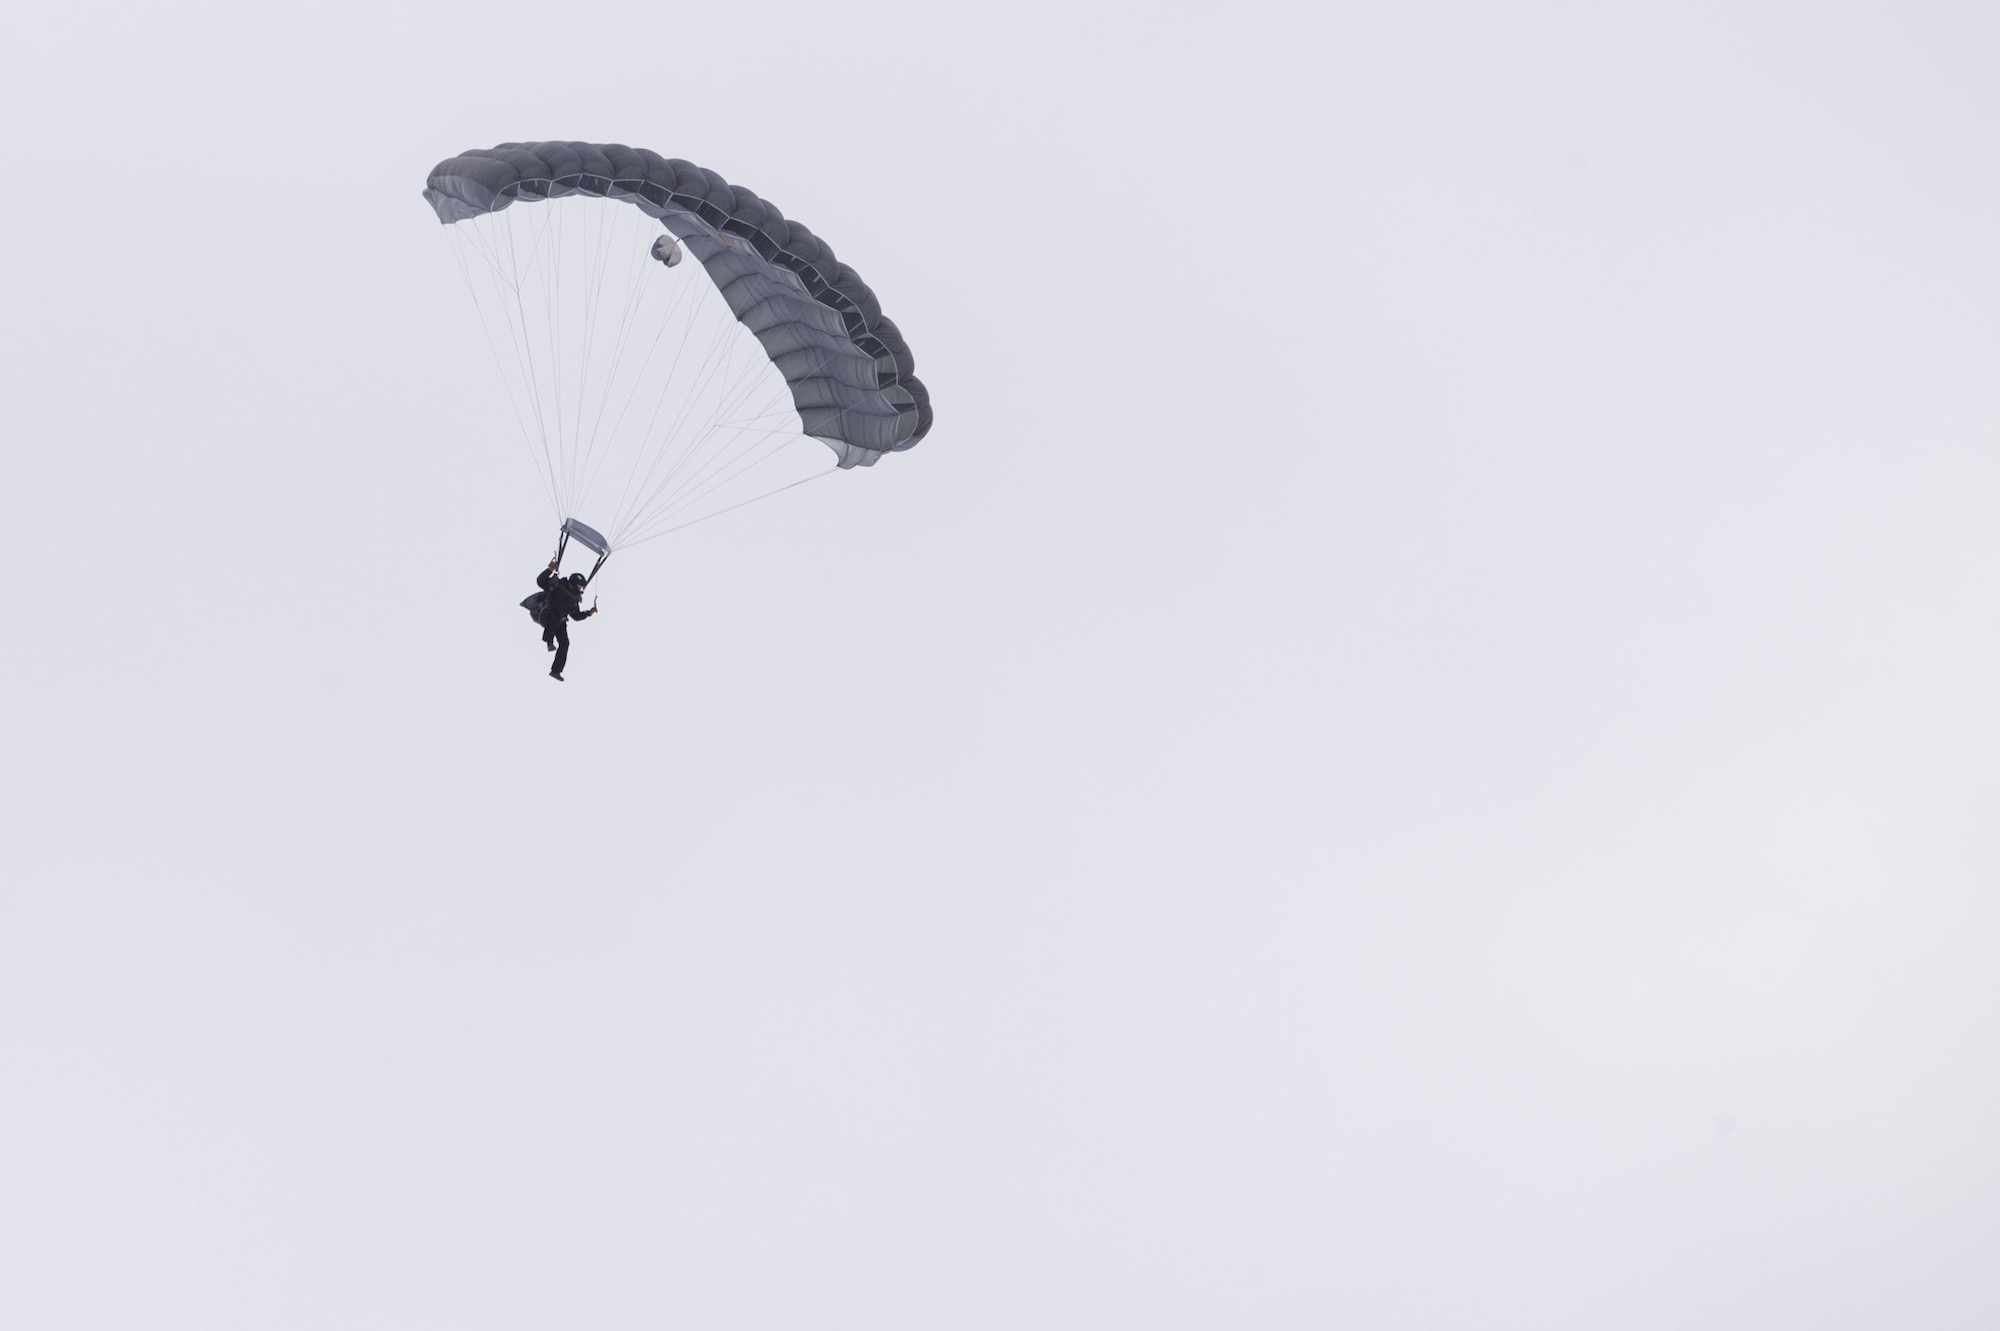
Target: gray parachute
x: 851, y: 375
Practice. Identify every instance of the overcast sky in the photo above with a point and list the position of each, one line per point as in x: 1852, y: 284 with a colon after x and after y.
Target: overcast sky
x: 1415, y: 749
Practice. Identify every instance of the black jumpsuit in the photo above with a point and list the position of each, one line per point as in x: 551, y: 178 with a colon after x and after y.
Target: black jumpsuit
x: 564, y: 602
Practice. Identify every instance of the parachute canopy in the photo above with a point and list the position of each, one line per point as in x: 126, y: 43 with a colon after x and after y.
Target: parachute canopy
x: 703, y: 396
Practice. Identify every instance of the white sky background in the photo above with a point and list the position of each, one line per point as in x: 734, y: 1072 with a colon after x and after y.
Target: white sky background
x: 1415, y: 749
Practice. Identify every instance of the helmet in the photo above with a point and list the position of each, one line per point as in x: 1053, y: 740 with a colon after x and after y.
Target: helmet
x: 578, y: 579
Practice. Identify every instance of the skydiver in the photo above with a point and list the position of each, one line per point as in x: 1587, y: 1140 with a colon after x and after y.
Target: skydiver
x: 562, y: 602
